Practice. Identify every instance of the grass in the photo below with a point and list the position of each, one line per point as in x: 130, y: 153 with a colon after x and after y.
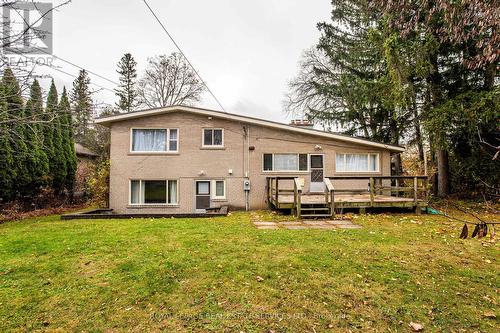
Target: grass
x: 199, y: 275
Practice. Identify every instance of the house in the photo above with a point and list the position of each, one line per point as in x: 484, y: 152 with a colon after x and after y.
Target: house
x: 86, y: 160
x: 181, y: 159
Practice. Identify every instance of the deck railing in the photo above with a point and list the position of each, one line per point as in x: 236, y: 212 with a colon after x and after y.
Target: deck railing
x: 374, y: 191
x: 274, y: 190
x: 415, y: 187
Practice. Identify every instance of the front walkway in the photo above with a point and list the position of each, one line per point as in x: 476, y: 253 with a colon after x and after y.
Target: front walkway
x: 307, y: 224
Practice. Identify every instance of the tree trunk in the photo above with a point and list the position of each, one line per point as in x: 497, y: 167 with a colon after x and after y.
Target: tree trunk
x: 398, y: 167
x: 443, y: 173
x: 443, y: 177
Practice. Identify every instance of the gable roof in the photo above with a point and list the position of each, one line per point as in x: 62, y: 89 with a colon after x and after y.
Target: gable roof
x: 108, y: 120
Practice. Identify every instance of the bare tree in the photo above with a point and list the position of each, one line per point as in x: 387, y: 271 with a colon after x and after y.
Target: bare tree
x: 169, y: 81
x: 305, y: 89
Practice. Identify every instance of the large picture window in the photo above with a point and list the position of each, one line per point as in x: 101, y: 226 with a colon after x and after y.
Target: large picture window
x: 357, y: 163
x: 285, y: 162
x: 153, y: 192
x: 155, y: 140
x: 213, y: 137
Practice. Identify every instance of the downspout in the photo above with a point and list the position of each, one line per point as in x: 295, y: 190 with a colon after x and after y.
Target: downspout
x: 246, y: 163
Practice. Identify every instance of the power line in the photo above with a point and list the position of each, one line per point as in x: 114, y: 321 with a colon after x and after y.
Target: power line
x: 178, y: 48
x: 77, y: 66
x: 67, y: 61
x: 61, y: 71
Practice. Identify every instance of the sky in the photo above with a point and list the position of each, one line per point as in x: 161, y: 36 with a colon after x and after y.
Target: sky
x: 246, y: 51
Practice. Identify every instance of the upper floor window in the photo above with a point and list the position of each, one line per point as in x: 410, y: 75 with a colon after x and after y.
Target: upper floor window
x: 213, y: 137
x: 155, y: 140
x: 285, y: 162
x: 357, y: 162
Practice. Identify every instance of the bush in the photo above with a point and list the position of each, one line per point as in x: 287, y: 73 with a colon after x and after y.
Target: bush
x: 99, y: 185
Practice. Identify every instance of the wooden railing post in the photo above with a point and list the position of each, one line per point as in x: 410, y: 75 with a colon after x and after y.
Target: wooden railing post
x: 297, y: 191
x: 276, y: 197
x: 329, y: 194
x: 415, y: 190
x: 372, y: 193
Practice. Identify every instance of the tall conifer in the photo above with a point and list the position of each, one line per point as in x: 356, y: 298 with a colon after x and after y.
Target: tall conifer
x: 68, y: 144
x: 38, y: 163
x: 17, y: 128
x: 7, y: 172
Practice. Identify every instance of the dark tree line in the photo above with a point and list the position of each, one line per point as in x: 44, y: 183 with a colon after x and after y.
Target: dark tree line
x: 423, y: 73
x: 36, y: 141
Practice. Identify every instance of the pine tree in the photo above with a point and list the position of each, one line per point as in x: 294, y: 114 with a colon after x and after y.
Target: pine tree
x: 68, y: 144
x: 81, y: 102
x: 38, y: 163
x: 17, y: 127
x: 58, y: 158
x: 7, y: 175
x: 127, y: 93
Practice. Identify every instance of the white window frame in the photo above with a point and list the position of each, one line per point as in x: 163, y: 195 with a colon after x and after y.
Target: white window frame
x: 212, y: 145
x: 214, y: 192
x: 287, y: 171
x: 365, y: 172
x: 167, y: 144
x: 141, y: 181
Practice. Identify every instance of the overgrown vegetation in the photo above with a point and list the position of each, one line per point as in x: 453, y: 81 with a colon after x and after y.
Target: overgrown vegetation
x: 199, y: 275
x: 422, y: 73
x: 36, y: 143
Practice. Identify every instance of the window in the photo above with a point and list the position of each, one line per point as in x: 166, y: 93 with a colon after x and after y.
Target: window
x: 357, y: 163
x: 155, y: 140
x: 213, y: 137
x: 153, y: 192
x: 220, y: 189
x: 285, y: 162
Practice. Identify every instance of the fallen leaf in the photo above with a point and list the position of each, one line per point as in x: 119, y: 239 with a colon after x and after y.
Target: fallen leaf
x: 490, y: 314
x: 260, y: 278
x: 416, y: 327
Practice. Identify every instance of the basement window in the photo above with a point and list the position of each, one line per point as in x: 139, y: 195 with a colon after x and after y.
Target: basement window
x: 153, y: 192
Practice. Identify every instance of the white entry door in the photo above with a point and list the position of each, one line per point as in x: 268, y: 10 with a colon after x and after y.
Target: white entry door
x: 317, y: 173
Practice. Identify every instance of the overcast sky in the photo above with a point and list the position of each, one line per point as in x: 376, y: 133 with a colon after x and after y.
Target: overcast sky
x: 246, y: 51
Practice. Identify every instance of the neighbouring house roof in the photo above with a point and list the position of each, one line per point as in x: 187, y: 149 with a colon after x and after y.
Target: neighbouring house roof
x: 108, y: 120
x: 83, y: 151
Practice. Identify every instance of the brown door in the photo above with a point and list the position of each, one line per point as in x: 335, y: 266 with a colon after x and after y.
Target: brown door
x: 202, y: 194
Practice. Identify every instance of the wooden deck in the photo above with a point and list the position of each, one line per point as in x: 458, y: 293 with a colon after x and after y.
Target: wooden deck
x: 398, y: 191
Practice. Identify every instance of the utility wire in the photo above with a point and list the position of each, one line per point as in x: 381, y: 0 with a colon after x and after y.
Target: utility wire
x: 77, y: 66
x: 67, y: 61
x: 61, y: 71
x: 178, y: 48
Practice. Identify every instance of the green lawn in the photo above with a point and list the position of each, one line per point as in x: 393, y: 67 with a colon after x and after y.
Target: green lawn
x: 199, y: 275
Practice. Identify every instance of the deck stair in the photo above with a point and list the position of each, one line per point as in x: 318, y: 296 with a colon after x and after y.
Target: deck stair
x: 315, y: 210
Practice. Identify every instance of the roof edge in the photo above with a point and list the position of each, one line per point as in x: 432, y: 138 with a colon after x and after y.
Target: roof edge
x: 108, y: 120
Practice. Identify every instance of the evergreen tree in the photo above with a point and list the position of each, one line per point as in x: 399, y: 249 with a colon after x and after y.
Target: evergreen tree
x: 127, y: 93
x: 7, y: 175
x: 17, y: 127
x: 81, y: 102
x: 38, y: 163
x: 68, y: 144
x: 58, y: 158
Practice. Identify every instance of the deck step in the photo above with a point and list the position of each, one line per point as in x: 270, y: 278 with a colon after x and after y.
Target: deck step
x: 315, y: 208
x: 315, y: 216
